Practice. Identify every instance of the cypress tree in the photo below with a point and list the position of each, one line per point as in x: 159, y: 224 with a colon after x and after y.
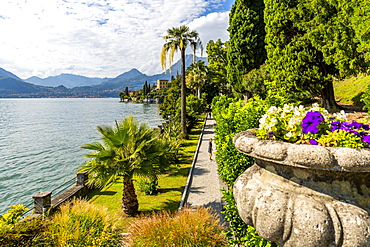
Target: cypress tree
x: 246, y: 47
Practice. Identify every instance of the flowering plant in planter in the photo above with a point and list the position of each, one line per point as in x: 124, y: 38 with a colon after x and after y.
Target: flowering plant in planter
x: 312, y: 126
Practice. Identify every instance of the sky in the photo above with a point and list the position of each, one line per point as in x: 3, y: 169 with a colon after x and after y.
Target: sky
x: 99, y: 38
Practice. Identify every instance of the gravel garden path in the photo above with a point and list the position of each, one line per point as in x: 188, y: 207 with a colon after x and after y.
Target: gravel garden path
x: 205, y: 185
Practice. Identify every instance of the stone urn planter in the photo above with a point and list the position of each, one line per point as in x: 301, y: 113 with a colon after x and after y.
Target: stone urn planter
x: 305, y: 195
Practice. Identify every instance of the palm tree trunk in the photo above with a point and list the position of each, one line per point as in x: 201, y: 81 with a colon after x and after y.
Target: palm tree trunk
x: 183, y: 95
x: 130, y: 204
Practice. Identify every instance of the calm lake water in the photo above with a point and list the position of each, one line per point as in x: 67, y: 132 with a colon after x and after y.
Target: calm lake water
x: 40, y: 140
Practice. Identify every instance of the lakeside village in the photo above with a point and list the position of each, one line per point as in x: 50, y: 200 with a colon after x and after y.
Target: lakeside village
x: 148, y: 94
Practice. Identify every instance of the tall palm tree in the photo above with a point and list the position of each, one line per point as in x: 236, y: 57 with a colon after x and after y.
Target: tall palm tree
x: 197, y: 75
x: 179, y: 39
x: 126, y: 150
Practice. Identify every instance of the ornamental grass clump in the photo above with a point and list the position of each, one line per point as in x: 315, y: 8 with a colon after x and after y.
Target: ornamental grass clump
x: 312, y: 126
x: 186, y: 228
x: 80, y: 223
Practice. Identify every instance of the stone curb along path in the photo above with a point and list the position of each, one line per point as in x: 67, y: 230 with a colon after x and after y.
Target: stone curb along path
x: 204, y: 184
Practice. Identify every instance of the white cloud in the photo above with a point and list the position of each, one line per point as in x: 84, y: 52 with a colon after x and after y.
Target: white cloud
x: 100, y: 38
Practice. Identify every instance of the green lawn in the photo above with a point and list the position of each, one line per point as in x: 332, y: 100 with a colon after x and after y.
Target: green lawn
x: 171, y: 186
x: 347, y: 90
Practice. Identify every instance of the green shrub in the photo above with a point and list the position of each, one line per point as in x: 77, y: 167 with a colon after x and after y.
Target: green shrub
x: 232, y: 117
x: 28, y: 233
x: 80, y: 223
x: 13, y: 215
x: 186, y: 228
x: 365, y: 98
x: 148, y: 186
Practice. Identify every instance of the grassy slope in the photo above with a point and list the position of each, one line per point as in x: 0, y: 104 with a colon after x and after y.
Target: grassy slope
x: 170, y: 191
x: 345, y: 91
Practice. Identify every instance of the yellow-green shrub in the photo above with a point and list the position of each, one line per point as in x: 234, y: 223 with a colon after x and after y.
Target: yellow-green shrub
x: 80, y: 223
x: 186, y: 228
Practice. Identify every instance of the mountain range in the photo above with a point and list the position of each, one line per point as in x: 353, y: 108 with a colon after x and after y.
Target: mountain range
x: 69, y: 85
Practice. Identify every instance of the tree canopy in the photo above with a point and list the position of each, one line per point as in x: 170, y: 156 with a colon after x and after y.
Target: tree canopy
x: 311, y: 43
x: 217, y: 64
x: 246, y: 48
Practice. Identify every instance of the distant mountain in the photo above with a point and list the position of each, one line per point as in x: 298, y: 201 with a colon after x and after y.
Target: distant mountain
x: 135, y: 80
x: 127, y: 75
x: 67, y: 80
x: 68, y: 85
x: 11, y: 87
x: 4, y: 73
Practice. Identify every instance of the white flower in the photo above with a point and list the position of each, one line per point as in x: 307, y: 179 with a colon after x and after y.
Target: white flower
x: 289, y: 134
x: 273, y: 109
x: 340, y: 115
x: 287, y: 108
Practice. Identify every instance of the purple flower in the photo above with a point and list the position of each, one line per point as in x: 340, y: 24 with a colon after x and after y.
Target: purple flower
x: 335, y: 125
x: 313, y: 142
x: 311, y: 121
x: 356, y: 125
x: 355, y: 132
x: 366, y: 138
x: 366, y: 127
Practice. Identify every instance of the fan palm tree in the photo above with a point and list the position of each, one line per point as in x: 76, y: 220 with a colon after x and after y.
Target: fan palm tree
x: 179, y: 39
x: 197, y: 76
x: 126, y: 150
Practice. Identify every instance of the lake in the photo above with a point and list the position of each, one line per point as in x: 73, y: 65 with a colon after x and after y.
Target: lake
x: 40, y: 140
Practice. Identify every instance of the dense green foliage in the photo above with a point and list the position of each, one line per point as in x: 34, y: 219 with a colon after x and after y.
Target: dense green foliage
x: 77, y: 223
x: 254, y: 81
x: 361, y: 24
x: 311, y: 43
x: 148, y: 186
x: 12, y: 216
x: 170, y: 109
x: 246, y: 47
x: 217, y: 64
x: 233, y: 116
x: 28, y: 233
x: 365, y: 98
x: 195, y: 109
x: 197, y: 76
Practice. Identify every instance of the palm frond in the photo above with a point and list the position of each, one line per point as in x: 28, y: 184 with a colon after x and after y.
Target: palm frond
x: 93, y: 146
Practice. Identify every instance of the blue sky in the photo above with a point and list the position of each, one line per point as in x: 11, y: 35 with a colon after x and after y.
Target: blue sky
x: 99, y: 38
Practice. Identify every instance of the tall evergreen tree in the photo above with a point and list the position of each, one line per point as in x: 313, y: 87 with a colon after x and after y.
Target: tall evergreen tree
x: 126, y: 91
x: 309, y: 44
x: 246, y: 48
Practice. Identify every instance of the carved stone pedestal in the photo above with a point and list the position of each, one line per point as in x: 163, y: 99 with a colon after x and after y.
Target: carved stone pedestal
x: 305, y: 195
